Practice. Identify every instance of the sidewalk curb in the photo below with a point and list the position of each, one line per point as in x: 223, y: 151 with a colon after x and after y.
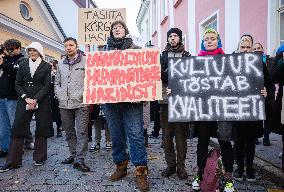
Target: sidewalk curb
x: 264, y: 167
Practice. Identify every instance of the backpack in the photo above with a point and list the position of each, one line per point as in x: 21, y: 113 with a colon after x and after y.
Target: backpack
x: 211, y: 171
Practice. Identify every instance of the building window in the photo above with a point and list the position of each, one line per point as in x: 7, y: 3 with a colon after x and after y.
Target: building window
x: 25, y: 11
x: 48, y: 58
x: 210, y: 22
x: 164, y: 11
x: 154, y: 15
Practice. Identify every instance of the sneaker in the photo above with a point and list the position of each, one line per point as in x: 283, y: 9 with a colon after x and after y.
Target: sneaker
x: 39, y: 163
x: 3, y: 154
x: 257, y: 142
x: 108, y: 145
x: 250, y: 176
x: 30, y: 146
x: 59, y: 134
x: 238, y: 175
x: 266, y: 142
x: 229, y: 186
x: 6, y: 168
x: 95, y: 147
x: 195, y: 183
x: 153, y: 136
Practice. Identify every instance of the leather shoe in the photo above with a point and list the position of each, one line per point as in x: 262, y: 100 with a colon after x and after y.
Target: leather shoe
x: 81, y: 166
x: 168, y: 171
x: 181, y: 172
x: 69, y: 160
x: 3, y: 154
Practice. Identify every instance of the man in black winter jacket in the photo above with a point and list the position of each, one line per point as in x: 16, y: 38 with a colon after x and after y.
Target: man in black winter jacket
x: 8, y: 96
x: 175, y: 161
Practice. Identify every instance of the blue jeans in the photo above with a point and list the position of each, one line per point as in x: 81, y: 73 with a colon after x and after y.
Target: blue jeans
x: 125, y: 121
x: 7, y: 116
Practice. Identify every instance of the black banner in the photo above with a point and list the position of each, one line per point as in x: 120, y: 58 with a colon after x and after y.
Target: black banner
x: 216, y: 88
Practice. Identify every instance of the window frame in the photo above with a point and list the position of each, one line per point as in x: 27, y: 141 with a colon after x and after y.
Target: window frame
x: 210, y: 19
x: 25, y: 7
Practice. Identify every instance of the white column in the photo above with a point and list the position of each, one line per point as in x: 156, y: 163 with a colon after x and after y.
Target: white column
x: 272, y: 27
x: 191, y: 27
x: 171, y: 13
x: 232, y: 25
x: 158, y: 24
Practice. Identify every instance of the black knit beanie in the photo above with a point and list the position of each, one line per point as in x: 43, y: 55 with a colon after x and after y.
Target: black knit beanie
x: 176, y: 31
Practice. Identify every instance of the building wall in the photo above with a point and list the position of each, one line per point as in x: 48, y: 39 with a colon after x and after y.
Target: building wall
x: 25, y: 42
x: 38, y: 22
x: 258, y: 18
x: 11, y: 9
x: 253, y: 20
x: 181, y: 19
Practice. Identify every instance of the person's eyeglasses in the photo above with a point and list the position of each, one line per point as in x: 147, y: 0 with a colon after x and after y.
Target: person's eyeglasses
x: 118, y: 27
x: 243, y: 47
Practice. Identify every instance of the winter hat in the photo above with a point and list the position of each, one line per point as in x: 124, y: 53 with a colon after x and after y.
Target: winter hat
x: 211, y: 30
x: 37, y: 46
x: 280, y: 50
x: 121, y: 23
x: 176, y: 31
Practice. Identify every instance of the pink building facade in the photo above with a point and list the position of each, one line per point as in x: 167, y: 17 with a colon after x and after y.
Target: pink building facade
x: 263, y: 19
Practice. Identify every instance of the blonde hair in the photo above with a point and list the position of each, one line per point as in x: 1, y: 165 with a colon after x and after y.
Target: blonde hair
x: 238, y: 50
x: 210, y: 30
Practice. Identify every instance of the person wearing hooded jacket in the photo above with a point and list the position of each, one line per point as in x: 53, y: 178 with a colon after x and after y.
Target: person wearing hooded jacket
x: 175, y: 163
x: 33, y: 82
x: 212, y: 45
x: 125, y: 121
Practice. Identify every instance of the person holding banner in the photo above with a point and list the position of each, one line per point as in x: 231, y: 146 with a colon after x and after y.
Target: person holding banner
x: 211, y: 45
x: 175, y: 163
x: 69, y: 85
x: 247, y: 132
x: 125, y: 121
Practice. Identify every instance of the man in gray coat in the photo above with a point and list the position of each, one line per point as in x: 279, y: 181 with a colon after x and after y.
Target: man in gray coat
x: 69, y: 85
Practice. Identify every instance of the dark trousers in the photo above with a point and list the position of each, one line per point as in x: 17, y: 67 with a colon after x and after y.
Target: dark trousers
x: 171, y: 130
x: 227, y: 153
x: 157, y: 124
x: 267, y: 129
x: 15, y: 153
x: 245, y: 149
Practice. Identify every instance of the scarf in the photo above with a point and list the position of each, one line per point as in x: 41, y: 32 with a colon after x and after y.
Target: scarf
x: 214, y: 52
x: 120, y: 44
x: 178, y: 49
x: 77, y: 59
x: 34, y: 65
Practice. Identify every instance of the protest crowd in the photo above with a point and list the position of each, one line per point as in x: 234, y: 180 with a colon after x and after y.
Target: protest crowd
x: 31, y: 88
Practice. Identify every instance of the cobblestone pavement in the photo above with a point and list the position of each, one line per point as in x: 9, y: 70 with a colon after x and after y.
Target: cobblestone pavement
x: 53, y: 176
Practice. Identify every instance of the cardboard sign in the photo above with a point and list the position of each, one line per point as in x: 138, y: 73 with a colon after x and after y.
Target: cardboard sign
x: 216, y: 88
x: 131, y: 75
x: 94, y: 24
